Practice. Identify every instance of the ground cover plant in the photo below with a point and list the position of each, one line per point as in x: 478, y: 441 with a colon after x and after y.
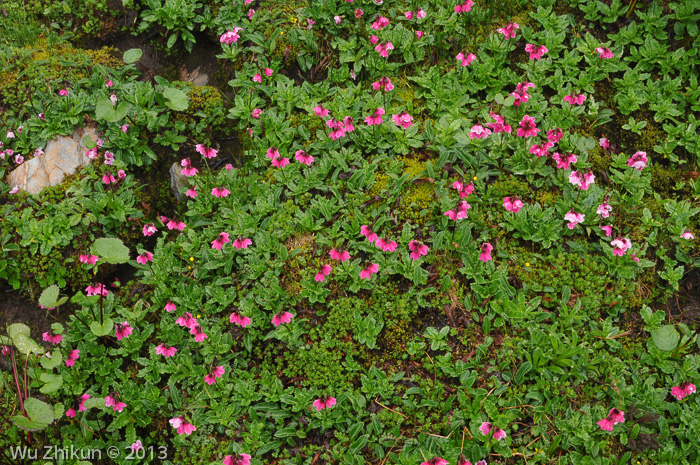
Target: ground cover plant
x: 409, y: 232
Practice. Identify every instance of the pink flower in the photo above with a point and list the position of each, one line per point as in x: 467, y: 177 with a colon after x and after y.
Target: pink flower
x: 436, y: 461
x: 73, y: 355
x: 460, y: 212
x: 408, y: 15
x: 635, y: 259
x: 369, y: 270
x: 117, y: 406
x: 359, y: 13
x: 19, y: 159
x: 136, y: 446
x: 375, y: 118
x: 324, y: 271
x: 250, y: 14
x: 219, y: 242
x: 81, y: 405
x: 554, y: 135
x: 188, y: 169
x: 536, y: 51
x: 186, y: 321
x: 638, y: 161
x: 607, y: 230
x: 370, y: 235
x: 520, y: 94
x: 575, y: 98
x: 268, y: 72
x: 53, y: 339
x: 220, y: 192
x: 257, y: 78
x: 614, y: 417
x: 109, y: 158
x: 465, y: 59
x: 604, y: 52
x: 337, y: 254
x: 583, y: 181
x: 464, y: 7
x: 179, y: 225
x: 500, y: 124
x: 303, y: 157
x: 320, y: 111
x: 347, y: 121
x: 144, y: 258
x: 574, y: 218
x: 541, y: 150
x: 420, y: 14
x: 228, y: 166
x: 63, y: 92
x: 386, y: 245
x: 214, y: 375
x: 206, y: 152
x: 384, y: 49
x: 192, y: 192
x: 338, y: 19
x: 604, y: 143
x: 380, y: 23
x: 243, y: 459
x: 121, y: 174
x: 687, y: 235
x: 239, y: 319
x: 373, y: 40
x: 122, y: 330
x: 417, y: 250
x: 509, y: 31
x: 165, y: 350
x: 403, y: 119
x: 108, y: 178
x: 272, y: 153
x: 96, y: 289
x: 280, y: 162
x: 464, y: 191
x: 186, y: 428
x: 479, y: 132
x: 198, y: 333
x: 70, y: 413
x: 498, y: 433
x: 420, y: 34
x: 113, y: 98
x: 324, y: 402
x: 282, y: 318
x: 242, y: 243
x: 485, y: 255
x: 564, y: 161
x: 89, y: 259
x: 512, y: 204
x: 124, y: 128
x: 230, y: 37
x: 109, y: 83
x: 604, y: 210
x: 682, y: 390
x: 310, y: 23
x: 256, y: 113
x: 621, y: 245
x: 527, y: 128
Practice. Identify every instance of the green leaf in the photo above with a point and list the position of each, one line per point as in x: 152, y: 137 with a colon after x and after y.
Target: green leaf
x: 18, y: 328
x: 102, y: 329
x: 27, y: 424
x: 54, y: 361
x: 522, y: 371
x: 26, y: 345
x: 111, y: 250
x: 666, y: 338
x: 133, y: 55
x: 53, y: 382
x: 103, y: 108
x: 49, y: 297
x: 38, y: 410
x: 95, y: 402
x: 175, y: 99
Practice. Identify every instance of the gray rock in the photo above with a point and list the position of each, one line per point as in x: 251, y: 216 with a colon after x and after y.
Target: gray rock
x: 176, y: 180
x: 62, y: 157
x: 196, y: 77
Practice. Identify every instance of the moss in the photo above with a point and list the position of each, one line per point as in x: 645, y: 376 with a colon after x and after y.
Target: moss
x: 318, y: 366
x: 106, y: 56
x: 206, y: 107
x: 664, y: 179
x: 509, y: 186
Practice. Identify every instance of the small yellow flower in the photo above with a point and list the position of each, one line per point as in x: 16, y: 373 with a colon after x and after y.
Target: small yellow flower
x: 281, y: 33
x: 199, y: 316
x: 189, y: 267
x: 527, y: 263
x: 475, y: 178
x: 191, y: 259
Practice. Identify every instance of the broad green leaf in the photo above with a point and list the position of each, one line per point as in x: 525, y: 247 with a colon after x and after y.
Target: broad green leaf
x: 111, y: 250
x: 53, y: 382
x: 27, y: 424
x: 102, y: 329
x: 666, y: 338
x: 49, y: 297
x: 175, y: 99
x: 95, y: 402
x: 38, y: 410
x: 26, y: 345
x: 54, y: 361
x: 18, y: 328
x: 133, y: 55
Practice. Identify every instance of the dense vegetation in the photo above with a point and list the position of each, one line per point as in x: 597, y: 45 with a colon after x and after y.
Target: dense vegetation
x: 410, y: 231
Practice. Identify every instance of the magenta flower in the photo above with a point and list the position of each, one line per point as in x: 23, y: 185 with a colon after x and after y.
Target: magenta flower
x: 19, y: 159
x: 230, y: 37
x: 541, y: 150
x: 280, y: 162
x: 303, y: 157
x: 464, y: 191
x: 338, y: 128
x: 198, y: 333
x: 479, y: 132
x: 604, y: 52
x: 324, y: 402
x: 527, y: 128
x: 257, y: 78
x: 70, y: 413
x: 370, y: 235
x: 108, y: 178
x: 420, y: 14
x: 192, y: 192
x: 509, y: 31
x: 375, y: 118
x: 574, y: 218
x: 384, y: 48
x: 417, y: 250
x: 464, y: 7
x: 512, y: 204
x: 220, y: 240
x: 281, y: 318
x: 228, y: 166
x: 122, y: 330
x: 420, y: 34
x: 564, y: 161
x: 380, y: 23
x: 320, y: 111
x: 554, y: 135
x: 220, y: 192
x: 614, y: 417
x: 583, y: 181
x: 52, y: 338
x: 359, y: 13
x: 81, y: 405
x: 137, y: 446
x: 242, y: 459
x: 621, y: 245
x: 638, y: 161
x: 485, y: 255
x: 186, y: 321
x: 187, y: 168
x: 96, y: 289
x: 498, y: 433
x: 109, y: 83
x: 179, y: 225
x: 386, y: 245
x: 206, y: 152
x: 337, y: 254
x: 436, y: 461
x: 242, y: 243
x: 338, y: 19
x: 73, y: 355
x: 500, y: 124
x: 256, y: 113
x: 272, y: 153
x: 183, y: 427
x: 124, y: 128
x: 369, y: 270
x: 268, y: 72
x: 604, y: 210
x: 239, y: 319
x: 682, y: 390
x: 607, y: 230
x: 144, y: 258
x: 324, y: 271
x: 165, y: 350
x: 88, y: 259
x: 408, y: 15
x: 687, y: 235
x: 214, y: 375
x: 403, y: 119
x: 63, y: 92
x: 310, y: 23
x: 460, y: 212
x: 520, y: 94
x: 604, y: 143
x: 536, y: 51
x: 121, y: 174
x: 117, y: 406
x: 465, y: 59
x: 347, y: 121
x: 373, y: 40
x: 575, y: 98
x: 92, y: 153
x: 109, y: 158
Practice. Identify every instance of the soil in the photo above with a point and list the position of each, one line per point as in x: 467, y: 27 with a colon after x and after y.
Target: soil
x: 15, y: 308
